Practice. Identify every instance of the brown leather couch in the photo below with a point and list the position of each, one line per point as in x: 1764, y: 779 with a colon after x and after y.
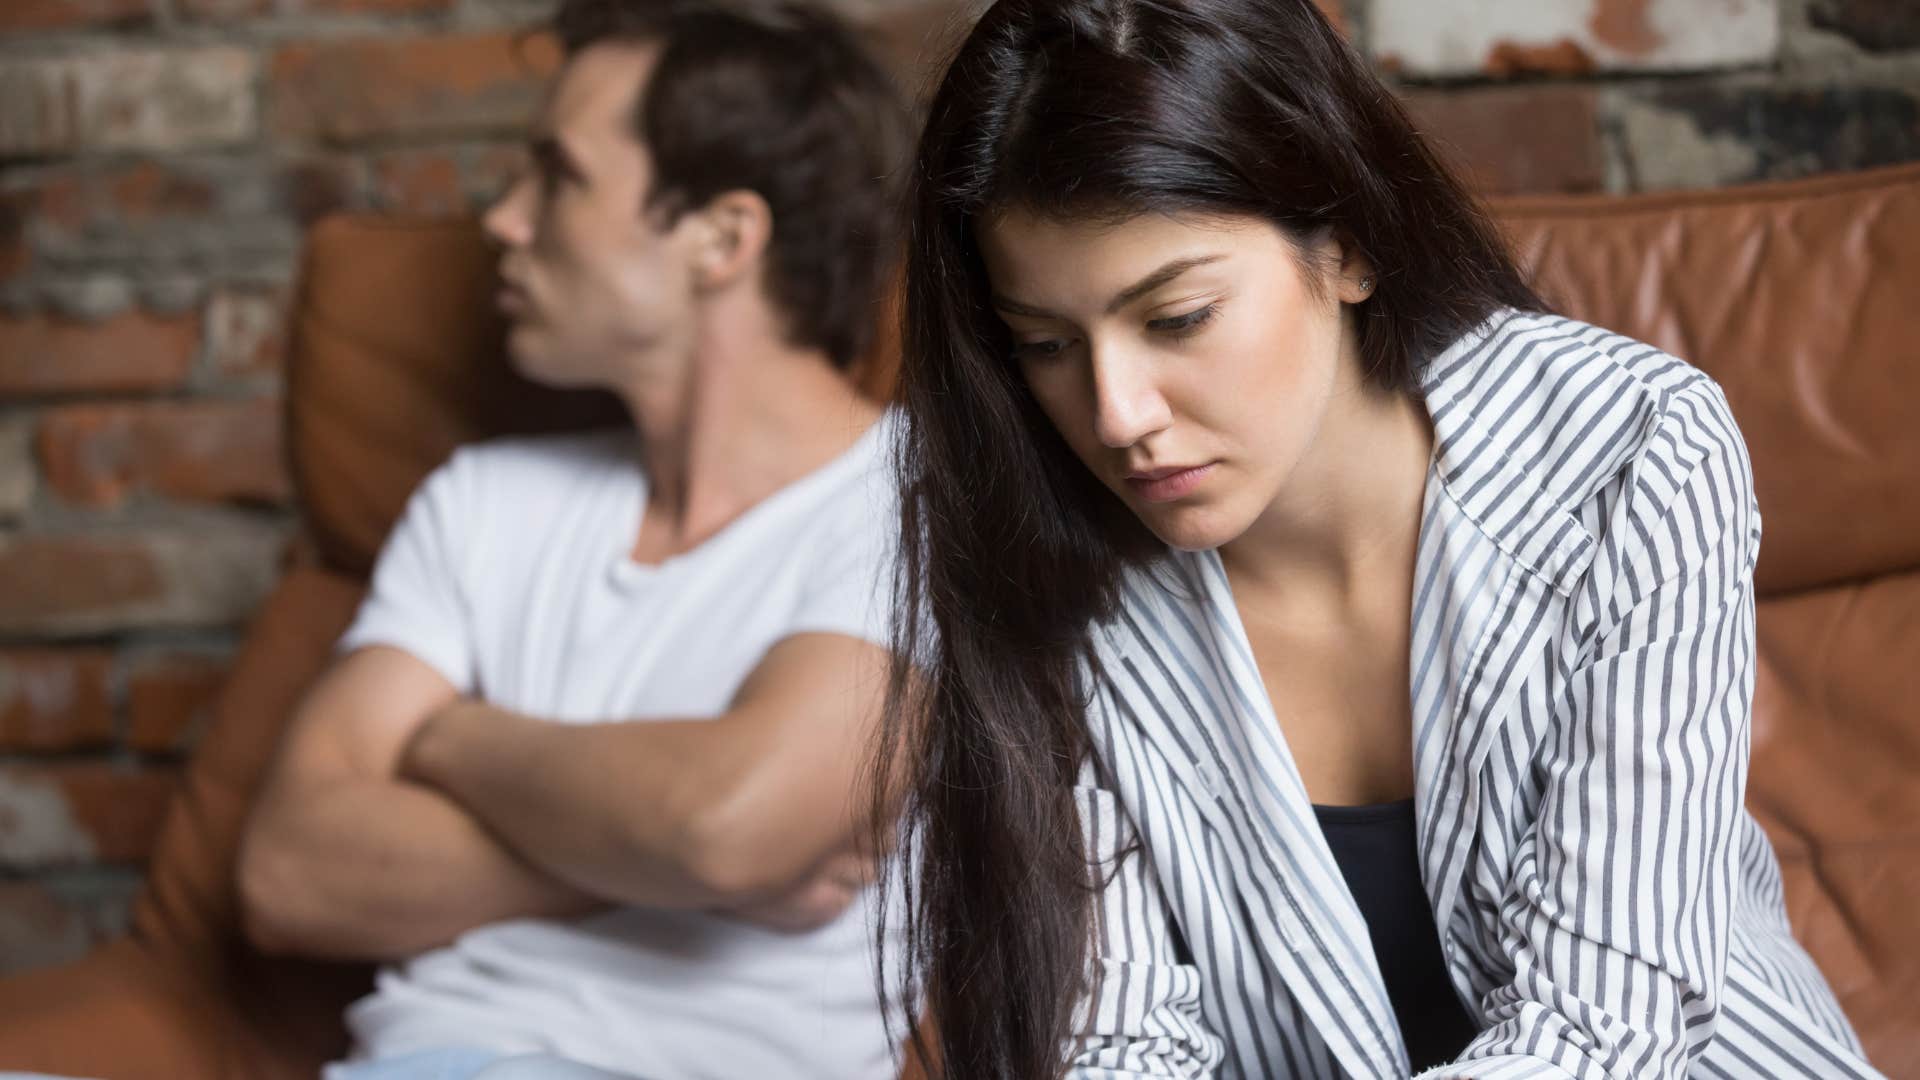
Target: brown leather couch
x: 1803, y: 299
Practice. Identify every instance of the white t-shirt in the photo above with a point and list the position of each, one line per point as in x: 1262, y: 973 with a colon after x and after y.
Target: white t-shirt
x: 511, y: 575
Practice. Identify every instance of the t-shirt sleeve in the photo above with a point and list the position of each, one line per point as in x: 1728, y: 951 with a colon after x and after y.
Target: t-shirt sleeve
x: 418, y: 600
x: 850, y: 588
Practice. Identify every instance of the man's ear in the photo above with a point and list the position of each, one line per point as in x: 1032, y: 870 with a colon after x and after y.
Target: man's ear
x: 734, y: 230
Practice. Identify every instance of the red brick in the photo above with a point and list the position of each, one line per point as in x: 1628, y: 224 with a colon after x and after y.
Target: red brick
x: 54, y: 699
x: 16, y: 208
x: 247, y: 330
x: 221, y: 10
x: 15, y: 256
x: 64, y: 198
x: 147, y: 190
x: 419, y: 183
x: 1332, y: 9
x: 89, y: 812
x: 209, y: 575
x: 51, y: 578
x: 169, y: 701
x: 1505, y: 140
x: 135, y: 351
x: 18, y: 476
x: 203, y: 451
x: 1565, y: 56
x: 431, y: 85
x: 17, y: 15
x: 378, y: 7
x: 103, y: 211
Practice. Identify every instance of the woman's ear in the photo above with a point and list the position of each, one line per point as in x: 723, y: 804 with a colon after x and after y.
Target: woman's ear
x: 734, y: 231
x: 1355, y: 279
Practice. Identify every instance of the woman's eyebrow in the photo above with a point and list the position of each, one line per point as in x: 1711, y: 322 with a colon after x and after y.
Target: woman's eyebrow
x: 1124, y: 297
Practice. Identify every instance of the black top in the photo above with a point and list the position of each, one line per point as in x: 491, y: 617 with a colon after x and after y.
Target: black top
x: 1378, y: 855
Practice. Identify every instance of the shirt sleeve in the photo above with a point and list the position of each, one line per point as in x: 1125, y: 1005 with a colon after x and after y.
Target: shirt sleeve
x: 1617, y: 916
x: 417, y: 602
x: 1142, y: 1016
x: 849, y: 589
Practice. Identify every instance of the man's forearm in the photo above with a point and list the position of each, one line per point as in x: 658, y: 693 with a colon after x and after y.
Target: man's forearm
x: 590, y: 806
x: 383, y: 869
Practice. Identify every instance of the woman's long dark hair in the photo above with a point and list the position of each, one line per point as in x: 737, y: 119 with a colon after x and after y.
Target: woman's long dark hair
x: 1011, y: 549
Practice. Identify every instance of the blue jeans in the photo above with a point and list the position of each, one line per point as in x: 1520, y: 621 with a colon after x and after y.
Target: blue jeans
x: 468, y: 1063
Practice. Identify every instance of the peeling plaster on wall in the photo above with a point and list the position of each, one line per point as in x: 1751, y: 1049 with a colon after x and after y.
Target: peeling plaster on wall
x: 37, y: 825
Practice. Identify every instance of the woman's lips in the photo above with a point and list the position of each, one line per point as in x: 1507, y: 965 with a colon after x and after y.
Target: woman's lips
x: 511, y: 301
x: 1166, y: 485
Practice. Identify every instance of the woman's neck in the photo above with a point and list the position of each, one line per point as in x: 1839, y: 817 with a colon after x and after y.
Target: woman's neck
x: 1346, y: 526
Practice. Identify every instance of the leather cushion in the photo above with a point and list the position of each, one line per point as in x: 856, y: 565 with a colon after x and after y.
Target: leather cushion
x: 1800, y: 299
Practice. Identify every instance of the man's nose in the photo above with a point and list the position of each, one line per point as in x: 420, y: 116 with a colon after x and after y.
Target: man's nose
x: 509, y: 221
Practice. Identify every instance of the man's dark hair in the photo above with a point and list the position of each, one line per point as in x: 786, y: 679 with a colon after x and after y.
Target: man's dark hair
x: 782, y: 99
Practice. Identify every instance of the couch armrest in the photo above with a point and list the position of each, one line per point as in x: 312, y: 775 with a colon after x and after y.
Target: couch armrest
x: 116, y: 1014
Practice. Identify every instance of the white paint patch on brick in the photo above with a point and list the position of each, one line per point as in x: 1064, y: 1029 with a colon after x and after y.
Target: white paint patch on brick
x: 47, y: 693
x: 1667, y: 151
x: 1456, y: 37
x: 218, y: 574
x: 36, y: 107
x: 165, y: 99
x: 16, y: 466
x: 37, y: 826
x: 245, y: 328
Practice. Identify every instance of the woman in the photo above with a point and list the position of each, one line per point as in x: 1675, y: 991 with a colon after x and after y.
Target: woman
x: 1330, y: 662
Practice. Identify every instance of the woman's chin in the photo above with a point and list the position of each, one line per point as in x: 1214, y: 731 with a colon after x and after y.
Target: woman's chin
x: 1192, y: 528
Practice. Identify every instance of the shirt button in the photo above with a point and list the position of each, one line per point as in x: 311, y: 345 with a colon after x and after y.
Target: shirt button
x: 1209, y: 776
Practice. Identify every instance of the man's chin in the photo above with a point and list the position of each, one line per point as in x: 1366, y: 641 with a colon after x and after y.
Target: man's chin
x: 540, y: 365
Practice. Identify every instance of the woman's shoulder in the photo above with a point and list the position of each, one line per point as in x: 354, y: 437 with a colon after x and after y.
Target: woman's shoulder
x: 1580, y: 414
x: 1611, y: 463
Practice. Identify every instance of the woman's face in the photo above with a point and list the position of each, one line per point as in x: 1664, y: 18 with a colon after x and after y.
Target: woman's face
x: 1188, y: 360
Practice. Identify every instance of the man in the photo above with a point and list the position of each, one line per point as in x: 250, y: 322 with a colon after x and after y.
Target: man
x: 584, y: 772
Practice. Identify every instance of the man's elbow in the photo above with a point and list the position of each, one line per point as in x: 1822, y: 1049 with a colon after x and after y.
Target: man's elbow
x: 737, y: 854
x: 267, y: 884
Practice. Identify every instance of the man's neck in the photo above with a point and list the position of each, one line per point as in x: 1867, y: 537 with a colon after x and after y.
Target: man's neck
x: 749, y: 415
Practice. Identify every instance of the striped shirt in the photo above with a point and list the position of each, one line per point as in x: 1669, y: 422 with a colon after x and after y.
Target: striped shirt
x: 1582, y: 676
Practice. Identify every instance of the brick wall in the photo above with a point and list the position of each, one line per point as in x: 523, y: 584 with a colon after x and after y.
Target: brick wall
x: 159, y: 158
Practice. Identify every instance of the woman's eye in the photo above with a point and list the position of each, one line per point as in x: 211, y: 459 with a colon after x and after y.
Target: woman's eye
x: 1176, y: 324
x: 1039, y: 350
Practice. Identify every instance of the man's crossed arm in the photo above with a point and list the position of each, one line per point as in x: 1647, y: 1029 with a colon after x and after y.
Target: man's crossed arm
x: 399, y: 816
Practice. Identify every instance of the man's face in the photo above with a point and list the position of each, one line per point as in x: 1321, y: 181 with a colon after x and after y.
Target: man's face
x: 588, y: 277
